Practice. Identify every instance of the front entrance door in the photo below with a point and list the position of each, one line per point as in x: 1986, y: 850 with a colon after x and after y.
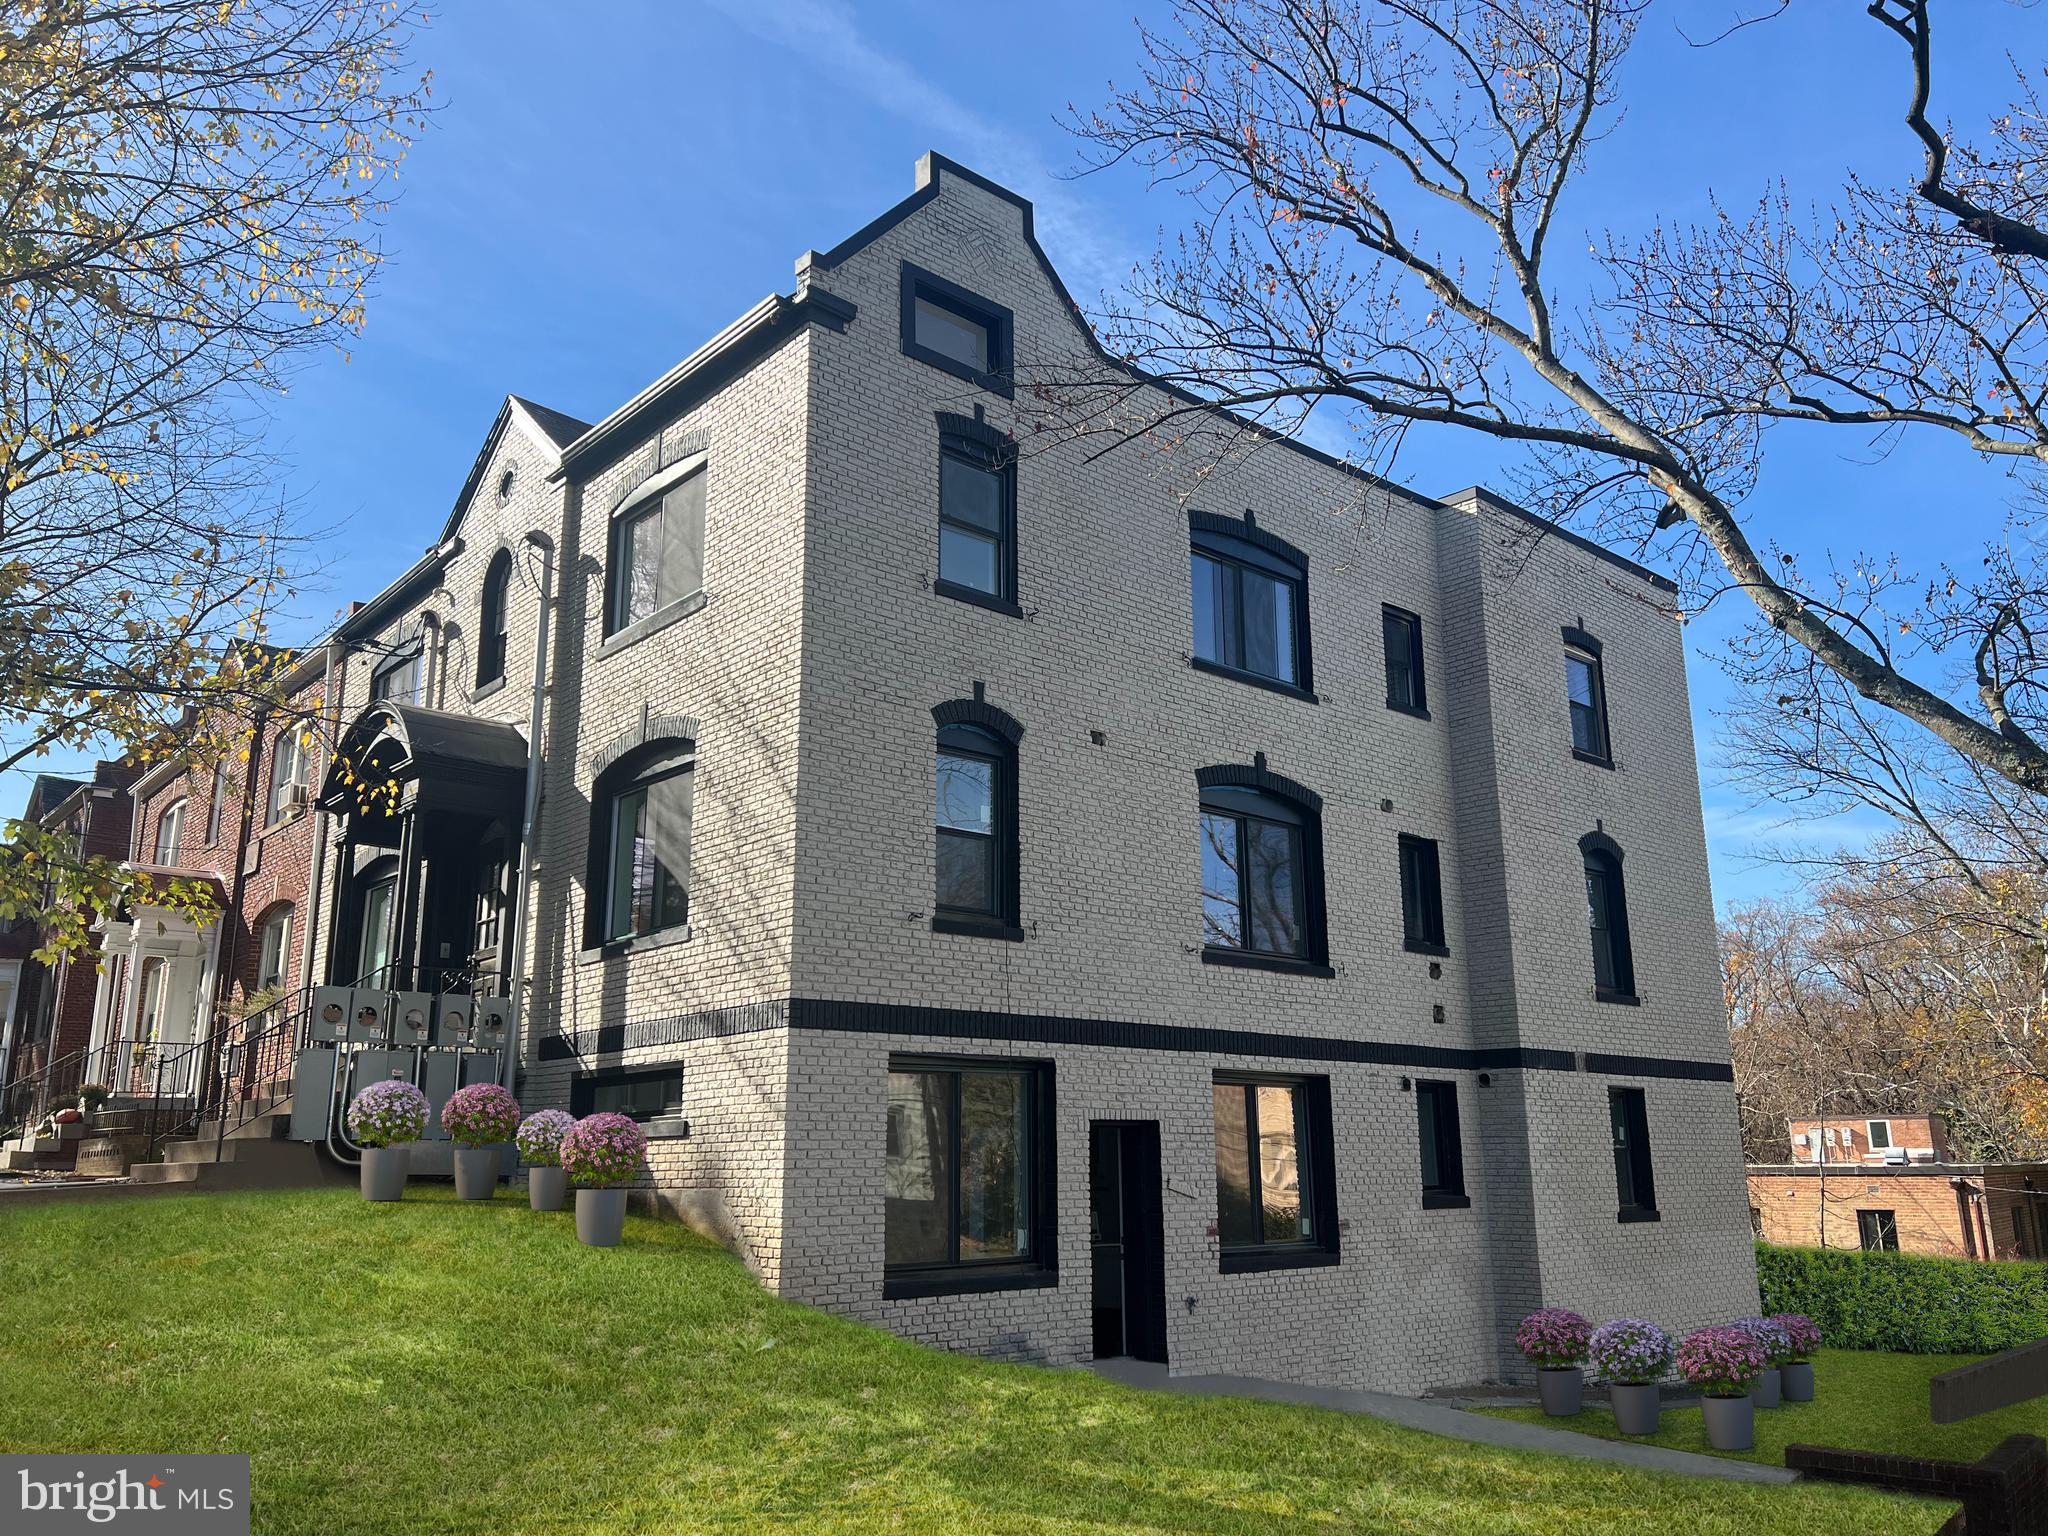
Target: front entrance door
x: 1128, y: 1239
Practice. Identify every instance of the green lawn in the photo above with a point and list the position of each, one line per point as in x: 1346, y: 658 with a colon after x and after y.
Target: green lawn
x: 1861, y: 1401
x: 438, y: 1367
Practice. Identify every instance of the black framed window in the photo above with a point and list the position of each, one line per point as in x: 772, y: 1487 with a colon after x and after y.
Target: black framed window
x: 1401, y: 632
x: 1585, y: 687
x: 398, y: 679
x: 1443, y: 1151
x: 1275, y: 1183
x: 657, y: 553
x: 974, y: 816
x: 1260, y: 843
x: 956, y: 330
x: 977, y: 513
x: 1635, y: 1185
x: 491, y: 638
x: 641, y: 1093
x: 968, y: 1190
x: 1614, y: 969
x: 1422, y: 896
x: 643, y: 811
x: 1249, y: 592
x: 1877, y: 1231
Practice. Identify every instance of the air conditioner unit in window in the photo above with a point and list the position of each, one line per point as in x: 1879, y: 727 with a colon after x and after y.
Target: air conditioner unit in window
x: 296, y: 797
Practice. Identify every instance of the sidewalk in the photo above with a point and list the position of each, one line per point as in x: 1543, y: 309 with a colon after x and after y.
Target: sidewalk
x: 1438, y: 1418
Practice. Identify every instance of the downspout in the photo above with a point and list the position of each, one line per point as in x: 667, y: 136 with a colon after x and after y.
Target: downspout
x: 515, y: 969
x: 331, y: 684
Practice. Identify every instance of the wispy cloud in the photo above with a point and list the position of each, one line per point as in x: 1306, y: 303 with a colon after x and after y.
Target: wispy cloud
x: 826, y: 34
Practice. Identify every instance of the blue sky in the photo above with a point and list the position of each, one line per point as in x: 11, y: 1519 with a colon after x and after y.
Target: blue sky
x: 596, y: 199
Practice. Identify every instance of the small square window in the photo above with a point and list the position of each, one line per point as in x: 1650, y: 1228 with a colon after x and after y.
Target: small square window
x: 956, y: 331
x: 1878, y: 1231
x: 1422, y: 897
x: 650, y: 1093
x: 1406, y: 690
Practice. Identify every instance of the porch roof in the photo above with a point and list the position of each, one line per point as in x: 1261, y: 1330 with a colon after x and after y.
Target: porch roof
x: 441, y: 758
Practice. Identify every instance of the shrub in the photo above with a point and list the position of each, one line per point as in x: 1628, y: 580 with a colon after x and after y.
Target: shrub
x: 1908, y: 1302
x: 1554, y: 1338
x: 1801, y: 1331
x: 1721, y: 1362
x: 1630, y: 1351
x: 386, y: 1113
x: 1772, y: 1339
x: 540, y: 1138
x: 480, y: 1115
x: 603, y: 1149
x: 92, y: 1095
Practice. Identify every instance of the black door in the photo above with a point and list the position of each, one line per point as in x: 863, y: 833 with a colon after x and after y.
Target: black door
x: 1128, y: 1240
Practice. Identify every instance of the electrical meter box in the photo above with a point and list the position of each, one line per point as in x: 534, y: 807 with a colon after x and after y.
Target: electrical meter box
x: 332, y: 1007
x: 493, y: 1023
x: 368, y: 1019
x: 412, y: 1018
x: 453, y: 1024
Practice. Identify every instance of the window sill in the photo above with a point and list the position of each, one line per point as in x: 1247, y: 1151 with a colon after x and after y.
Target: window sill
x: 1249, y: 960
x: 665, y: 1127
x: 290, y: 818
x: 1594, y: 759
x: 1251, y: 1261
x: 660, y: 619
x: 1621, y: 999
x: 660, y: 939
x: 1444, y: 1200
x: 965, y: 1280
x: 1270, y: 684
x: 987, y: 600
x: 1630, y: 1214
x: 484, y: 690
x: 977, y: 928
x: 1420, y: 947
x: 1419, y: 712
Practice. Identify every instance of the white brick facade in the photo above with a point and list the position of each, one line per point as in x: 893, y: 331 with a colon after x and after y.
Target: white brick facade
x: 809, y: 674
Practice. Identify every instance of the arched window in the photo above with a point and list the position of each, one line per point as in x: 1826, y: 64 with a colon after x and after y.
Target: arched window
x: 974, y: 814
x: 1261, y: 850
x: 170, y: 833
x: 491, y: 635
x: 287, y: 774
x: 1614, y: 968
x: 274, y: 947
x: 642, y: 808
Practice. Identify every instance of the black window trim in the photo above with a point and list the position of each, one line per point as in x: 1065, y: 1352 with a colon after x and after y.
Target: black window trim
x: 1410, y: 941
x: 1642, y: 1168
x: 653, y: 490
x: 398, y: 660
x: 1041, y: 1268
x: 1413, y: 623
x: 1600, y: 845
x: 1315, y: 917
x: 494, y: 628
x: 1007, y: 924
x: 1577, y: 639
x: 1450, y: 1194
x: 622, y: 774
x: 973, y: 441
x: 583, y: 1093
x: 1241, y: 541
x: 1883, y: 1216
x: 995, y: 318
x: 1318, y: 1167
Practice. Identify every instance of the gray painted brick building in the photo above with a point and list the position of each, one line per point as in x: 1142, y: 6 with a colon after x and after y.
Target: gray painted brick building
x: 1051, y: 904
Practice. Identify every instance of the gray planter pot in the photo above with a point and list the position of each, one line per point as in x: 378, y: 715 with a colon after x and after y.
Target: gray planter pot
x: 384, y: 1170
x: 1562, y: 1391
x: 1797, y: 1381
x: 476, y: 1172
x: 1767, y: 1389
x: 1731, y: 1422
x: 600, y: 1216
x: 1636, y: 1407
x: 547, y: 1189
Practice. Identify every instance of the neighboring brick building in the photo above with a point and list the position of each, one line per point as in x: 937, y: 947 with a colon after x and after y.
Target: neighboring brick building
x: 1885, y: 1183
x: 1030, y: 914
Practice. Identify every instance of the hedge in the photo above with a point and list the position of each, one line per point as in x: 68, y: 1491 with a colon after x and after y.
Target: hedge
x: 1907, y: 1302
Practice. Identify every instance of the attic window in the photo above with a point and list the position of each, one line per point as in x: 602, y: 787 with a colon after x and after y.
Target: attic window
x: 506, y: 481
x: 956, y: 331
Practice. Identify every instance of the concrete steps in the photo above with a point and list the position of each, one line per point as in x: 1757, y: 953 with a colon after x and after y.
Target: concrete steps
x: 243, y: 1164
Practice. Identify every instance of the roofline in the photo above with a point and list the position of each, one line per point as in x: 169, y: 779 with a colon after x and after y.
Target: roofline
x: 1500, y: 503
x: 1892, y: 1170
x: 512, y: 404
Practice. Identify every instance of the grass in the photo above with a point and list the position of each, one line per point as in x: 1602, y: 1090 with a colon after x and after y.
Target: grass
x: 439, y: 1367
x: 1861, y: 1401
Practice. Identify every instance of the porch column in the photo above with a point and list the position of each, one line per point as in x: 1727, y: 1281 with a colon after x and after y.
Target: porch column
x: 405, y: 924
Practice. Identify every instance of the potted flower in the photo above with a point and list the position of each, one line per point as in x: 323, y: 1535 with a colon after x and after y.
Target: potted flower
x: 1777, y: 1347
x: 1722, y: 1363
x: 1631, y: 1354
x: 479, y: 1119
x: 382, y: 1119
x: 1804, y: 1334
x: 1555, y: 1342
x: 540, y: 1143
x: 90, y: 1097
x: 602, y: 1153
